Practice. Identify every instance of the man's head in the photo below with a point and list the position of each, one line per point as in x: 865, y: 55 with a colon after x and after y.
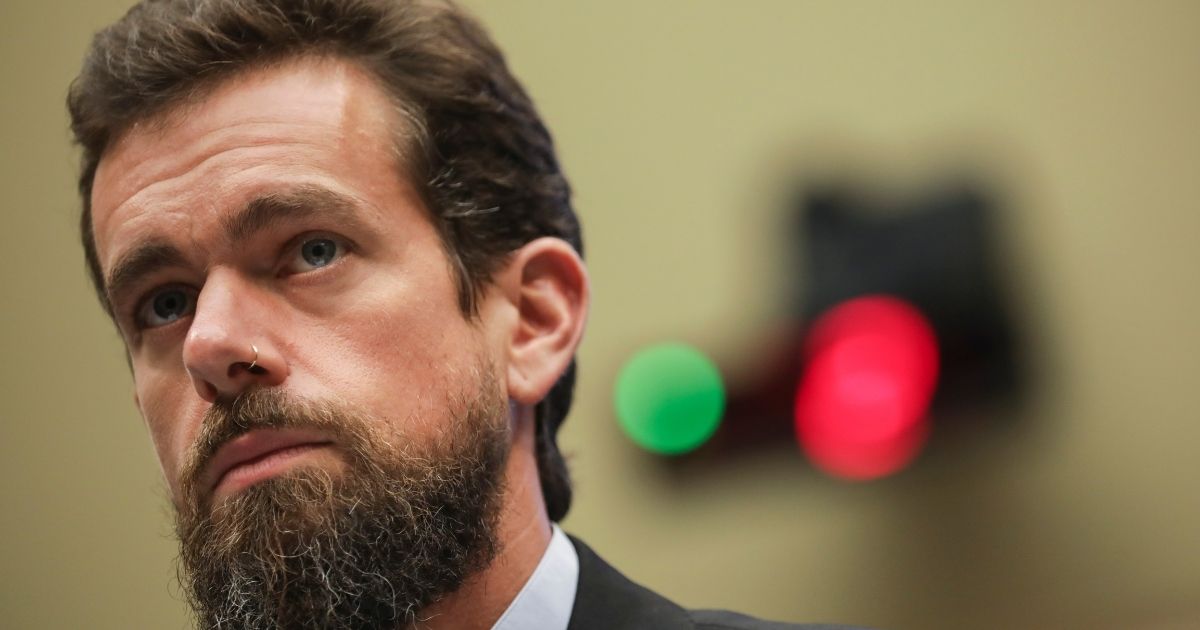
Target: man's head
x: 347, y: 206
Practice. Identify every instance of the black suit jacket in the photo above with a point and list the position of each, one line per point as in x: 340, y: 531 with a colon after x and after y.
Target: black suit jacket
x: 607, y: 600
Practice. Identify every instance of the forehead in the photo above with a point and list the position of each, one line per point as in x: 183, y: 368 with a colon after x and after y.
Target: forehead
x: 307, y: 119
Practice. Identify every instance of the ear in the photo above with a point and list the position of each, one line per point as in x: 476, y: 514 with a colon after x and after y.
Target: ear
x: 550, y: 290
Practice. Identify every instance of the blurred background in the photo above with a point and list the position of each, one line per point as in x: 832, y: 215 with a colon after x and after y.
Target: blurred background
x: 1026, y: 174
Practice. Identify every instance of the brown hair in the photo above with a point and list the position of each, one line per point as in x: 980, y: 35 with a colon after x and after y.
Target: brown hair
x: 477, y: 149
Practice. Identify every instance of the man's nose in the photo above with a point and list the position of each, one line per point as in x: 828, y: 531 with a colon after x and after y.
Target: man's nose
x: 231, y: 344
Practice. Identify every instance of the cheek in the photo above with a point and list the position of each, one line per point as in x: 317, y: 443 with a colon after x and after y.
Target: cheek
x: 171, y: 411
x: 400, y: 355
x: 413, y: 350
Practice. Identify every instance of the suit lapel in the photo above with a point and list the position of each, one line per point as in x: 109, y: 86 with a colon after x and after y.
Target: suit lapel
x: 607, y: 600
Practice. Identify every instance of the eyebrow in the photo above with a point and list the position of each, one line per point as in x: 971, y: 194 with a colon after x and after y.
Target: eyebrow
x: 258, y: 214
x: 140, y: 262
x: 302, y: 202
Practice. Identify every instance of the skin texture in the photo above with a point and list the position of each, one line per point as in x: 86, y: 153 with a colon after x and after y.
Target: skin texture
x: 378, y: 328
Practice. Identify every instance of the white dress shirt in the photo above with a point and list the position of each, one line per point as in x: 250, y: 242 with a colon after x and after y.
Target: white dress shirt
x: 546, y: 600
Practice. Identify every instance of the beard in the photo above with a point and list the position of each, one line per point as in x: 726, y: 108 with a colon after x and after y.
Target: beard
x: 367, y: 547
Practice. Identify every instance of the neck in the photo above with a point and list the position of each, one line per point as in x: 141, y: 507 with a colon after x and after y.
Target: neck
x: 523, y: 534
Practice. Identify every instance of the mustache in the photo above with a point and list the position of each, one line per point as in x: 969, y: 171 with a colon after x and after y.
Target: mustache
x: 257, y: 409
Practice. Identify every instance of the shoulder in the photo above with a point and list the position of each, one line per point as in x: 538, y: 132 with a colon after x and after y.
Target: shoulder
x: 725, y: 620
x: 607, y: 600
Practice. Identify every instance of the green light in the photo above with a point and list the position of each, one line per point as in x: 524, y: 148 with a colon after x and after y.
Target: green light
x: 669, y: 398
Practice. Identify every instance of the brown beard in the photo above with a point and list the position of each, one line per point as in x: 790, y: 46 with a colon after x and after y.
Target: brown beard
x: 369, y: 547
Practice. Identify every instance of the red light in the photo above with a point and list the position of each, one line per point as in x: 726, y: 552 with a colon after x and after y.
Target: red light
x: 862, y: 402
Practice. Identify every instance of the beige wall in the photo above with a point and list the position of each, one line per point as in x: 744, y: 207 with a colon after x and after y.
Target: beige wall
x: 678, y: 122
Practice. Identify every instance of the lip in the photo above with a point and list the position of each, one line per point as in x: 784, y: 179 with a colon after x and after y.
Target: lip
x: 271, y: 449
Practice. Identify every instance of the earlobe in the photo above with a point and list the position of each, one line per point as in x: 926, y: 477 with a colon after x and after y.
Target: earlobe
x: 551, y: 295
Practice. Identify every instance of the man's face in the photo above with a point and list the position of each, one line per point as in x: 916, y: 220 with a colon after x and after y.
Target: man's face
x: 272, y: 219
x: 333, y: 430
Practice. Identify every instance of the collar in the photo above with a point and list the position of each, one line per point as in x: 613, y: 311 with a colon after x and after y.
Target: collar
x: 548, y: 596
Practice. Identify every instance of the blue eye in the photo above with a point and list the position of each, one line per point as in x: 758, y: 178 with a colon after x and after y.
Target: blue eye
x: 166, y: 306
x: 318, y: 252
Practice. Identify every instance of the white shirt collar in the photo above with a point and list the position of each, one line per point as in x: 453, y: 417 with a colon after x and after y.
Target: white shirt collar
x: 546, y: 600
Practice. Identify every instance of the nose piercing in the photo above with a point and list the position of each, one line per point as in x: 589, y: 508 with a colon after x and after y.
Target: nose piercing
x: 254, y: 363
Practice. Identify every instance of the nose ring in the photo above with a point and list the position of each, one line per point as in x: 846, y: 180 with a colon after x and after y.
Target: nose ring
x: 254, y: 363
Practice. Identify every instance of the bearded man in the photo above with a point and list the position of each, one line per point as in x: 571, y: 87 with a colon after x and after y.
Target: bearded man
x: 338, y: 246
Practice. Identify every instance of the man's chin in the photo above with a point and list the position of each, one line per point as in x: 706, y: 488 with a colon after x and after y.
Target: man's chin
x: 364, y: 535
x: 308, y: 548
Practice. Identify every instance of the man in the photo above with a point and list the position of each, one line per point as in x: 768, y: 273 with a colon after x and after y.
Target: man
x: 337, y: 243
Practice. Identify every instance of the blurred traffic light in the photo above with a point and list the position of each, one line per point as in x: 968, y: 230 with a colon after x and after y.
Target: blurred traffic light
x: 863, y: 401
x: 898, y: 315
